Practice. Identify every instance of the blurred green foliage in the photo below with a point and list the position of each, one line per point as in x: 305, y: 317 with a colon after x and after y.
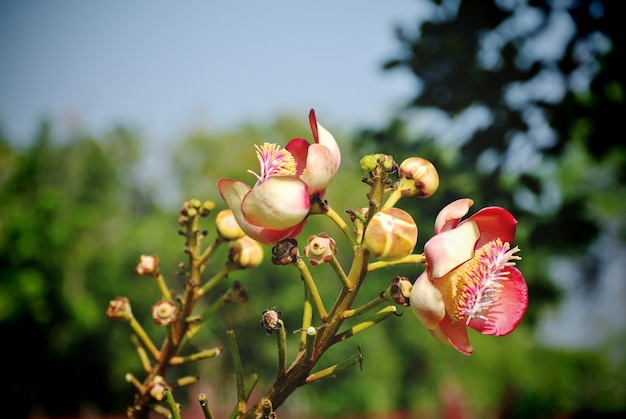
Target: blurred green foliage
x: 75, y: 216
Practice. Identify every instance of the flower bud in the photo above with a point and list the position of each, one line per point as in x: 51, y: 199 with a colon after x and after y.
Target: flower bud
x: 270, y: 320
x: 419, y: 177
x: 246, y: 252
x: 369, y: 162
x: 227, y: 226
x: 320, y: 249
x: 156, y: 387
x: 148, y: 265
x: 120, y: 309
x: 237, y: 293
x: 164, y: 312
x: 285, y: 252
x: 391, y: 234
x: 400, y: 290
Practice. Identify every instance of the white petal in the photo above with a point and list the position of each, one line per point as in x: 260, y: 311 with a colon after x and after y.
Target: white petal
x: 277, y: 203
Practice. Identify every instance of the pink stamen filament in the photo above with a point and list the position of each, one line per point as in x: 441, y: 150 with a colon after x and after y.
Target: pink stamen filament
x: 273, y: 161
x: 482, y: 280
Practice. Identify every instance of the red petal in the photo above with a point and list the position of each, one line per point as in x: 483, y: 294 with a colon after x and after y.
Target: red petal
x: 507, y: 313
x: 299, y: 149
x: 313, y: 123
x: 456, y: 334
x: 494, y: 223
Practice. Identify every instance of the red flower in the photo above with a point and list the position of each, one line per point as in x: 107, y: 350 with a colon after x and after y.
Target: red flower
x: 470, y: 279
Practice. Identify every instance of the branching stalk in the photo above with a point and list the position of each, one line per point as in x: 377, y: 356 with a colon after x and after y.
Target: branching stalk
x: 413, y: 259
x: 376, y: 318
x: 310, y: 284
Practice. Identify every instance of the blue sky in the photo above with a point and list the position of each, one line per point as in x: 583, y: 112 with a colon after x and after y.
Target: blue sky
x: 163, y: 67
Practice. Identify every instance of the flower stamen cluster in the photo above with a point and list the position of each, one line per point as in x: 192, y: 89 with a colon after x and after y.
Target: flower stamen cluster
x: 273, y: 161
x: 479, y: 281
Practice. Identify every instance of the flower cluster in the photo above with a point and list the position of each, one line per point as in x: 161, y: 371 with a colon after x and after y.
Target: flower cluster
x: 467, y: 276
x: 470, y: 279
x: 276, y: 207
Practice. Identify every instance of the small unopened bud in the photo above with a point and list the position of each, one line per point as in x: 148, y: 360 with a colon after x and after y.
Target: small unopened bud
x: 418, y: 177
x: 227, y: 226
x: 246, y: 252
x: 207, y: 207
x: 320, y: 249
x: 156, y: 388
x: 270, y: 320
x: 369, y: 162
x: 285, y: 252
x: 120, y: 309
x: 164, y: 312
x: 391, y: 234
x: 400, y: 290
x: 237, y: 293
x: 148, y: 265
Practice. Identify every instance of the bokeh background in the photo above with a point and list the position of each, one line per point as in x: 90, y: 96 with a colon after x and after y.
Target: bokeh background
x: 113, y: 114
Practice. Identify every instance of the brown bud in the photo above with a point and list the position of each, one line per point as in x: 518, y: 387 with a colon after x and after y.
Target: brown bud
x: 148, y: 265
x: 270, y: 320
x: 119, y: 309
x: 285, y: 252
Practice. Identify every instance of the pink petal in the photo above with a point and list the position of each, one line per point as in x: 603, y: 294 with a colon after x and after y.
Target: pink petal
x: 322, y: 136
x: 449, y: 249
x: 427, y: 302
x: 494, y: 223
x: 299, y: 149
x: 456, y: 335
x: 279, y: 203
x: 507, y: 313
x: 449, y: 217
x: 320, y: 169
x: 233, y: 192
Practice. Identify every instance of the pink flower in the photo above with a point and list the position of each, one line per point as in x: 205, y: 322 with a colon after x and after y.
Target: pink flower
x: 276, y: 207
x: 470, y: 279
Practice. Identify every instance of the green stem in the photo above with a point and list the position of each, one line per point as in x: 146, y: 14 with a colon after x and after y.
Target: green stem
x: 358, y: 328
x: 307, y: 316
x: 310, y: 335
x: 282, y: 348
x: 171, y: 403
x: 135, y: 382
x: 141, y: 352
x: 310, y: 284
x: 204, y: 405
x: 335, y: 369
x: 365, y: 307
x: 165, y: 292
x: 241, y: 392
x: 339, y: 271
x: 393, y: 198
x: 144, y: 338
x: 216, y: 279
x: 413, y: 259
x: 208, y: 252
x: 332, y: 214
x: 252, y: 381
x: 208, y: 353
